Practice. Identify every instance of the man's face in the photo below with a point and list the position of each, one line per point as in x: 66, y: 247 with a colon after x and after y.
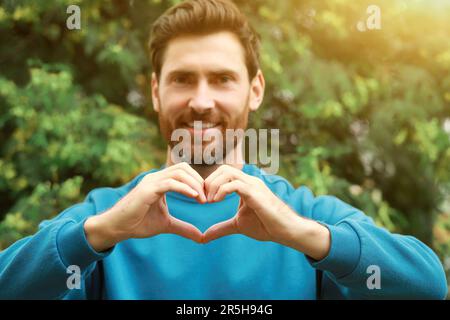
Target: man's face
x: 205, y: 78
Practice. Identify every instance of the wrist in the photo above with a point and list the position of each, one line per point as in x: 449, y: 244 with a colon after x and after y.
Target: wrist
x: 310, y: 237
x: 100, y: 234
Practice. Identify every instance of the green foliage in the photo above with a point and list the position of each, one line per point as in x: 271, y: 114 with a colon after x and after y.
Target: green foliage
x: 56, y: 140
x: 362, y: 115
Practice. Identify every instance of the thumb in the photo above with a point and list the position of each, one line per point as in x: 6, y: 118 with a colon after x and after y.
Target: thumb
x: 221, y: 229
x: 184, y: 229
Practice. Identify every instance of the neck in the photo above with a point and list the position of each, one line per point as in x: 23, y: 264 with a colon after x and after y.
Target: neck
x: 204, y: 170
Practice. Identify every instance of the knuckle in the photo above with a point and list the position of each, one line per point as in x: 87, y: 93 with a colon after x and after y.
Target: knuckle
x: 212, y: 185
x: 177, y: 166
x: 227, y: 187
x: 177, y: 172
x: 208, y: 184
x: 168, y: 183
x: 220, y: 190
x: 185, y: 165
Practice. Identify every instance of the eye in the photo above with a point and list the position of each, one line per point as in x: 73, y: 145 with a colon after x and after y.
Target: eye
x: 180, y: 79
x: 223, y: 79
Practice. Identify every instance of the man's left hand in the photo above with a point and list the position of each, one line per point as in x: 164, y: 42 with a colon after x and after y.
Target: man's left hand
x: 262, y: 215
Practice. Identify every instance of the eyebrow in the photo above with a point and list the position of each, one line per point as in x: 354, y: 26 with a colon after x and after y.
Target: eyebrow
x: 218, y: 72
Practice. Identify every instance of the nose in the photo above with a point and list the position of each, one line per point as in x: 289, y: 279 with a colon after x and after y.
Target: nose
x: 202, y: 101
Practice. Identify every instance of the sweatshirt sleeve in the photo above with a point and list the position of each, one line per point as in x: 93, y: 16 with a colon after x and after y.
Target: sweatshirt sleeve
x: 368, y: 262
x: 36, y: 267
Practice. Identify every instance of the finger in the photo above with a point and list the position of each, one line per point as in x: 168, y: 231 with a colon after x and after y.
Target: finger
x: 215, y: 173
x: 234, y: 186
x: 184, y: 229
x: 188, y: 169
x: 221, y: 229
x: 183, y: 166
x: 184, y: 177
x: 163, y: 204
x: 222, y: 175
x: 171, y: 184
x: 213, y: 185
x: 241, y: 204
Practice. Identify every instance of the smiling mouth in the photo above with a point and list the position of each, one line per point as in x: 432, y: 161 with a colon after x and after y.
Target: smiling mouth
x: 201, y: 125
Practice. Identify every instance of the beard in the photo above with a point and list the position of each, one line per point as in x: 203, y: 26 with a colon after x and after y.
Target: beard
x: 225, y: 145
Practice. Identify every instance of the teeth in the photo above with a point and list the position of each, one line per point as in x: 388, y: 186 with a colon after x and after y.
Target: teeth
x: 203, y: 125
x: 208, y: 125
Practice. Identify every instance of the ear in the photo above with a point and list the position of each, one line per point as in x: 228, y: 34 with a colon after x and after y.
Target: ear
x: 257, y: 87
x: 155, y: 93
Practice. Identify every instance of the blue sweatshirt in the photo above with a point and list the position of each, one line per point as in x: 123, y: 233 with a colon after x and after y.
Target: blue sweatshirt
x: 168, y: 266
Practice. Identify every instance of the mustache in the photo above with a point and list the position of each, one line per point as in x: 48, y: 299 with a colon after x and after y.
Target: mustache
x: 202, y: 118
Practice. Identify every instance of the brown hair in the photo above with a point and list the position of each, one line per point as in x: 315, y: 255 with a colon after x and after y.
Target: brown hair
x: 201, y: 17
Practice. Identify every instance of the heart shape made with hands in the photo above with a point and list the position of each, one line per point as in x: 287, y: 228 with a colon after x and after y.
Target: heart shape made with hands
x: 255, y: 216
x: 261, y: 215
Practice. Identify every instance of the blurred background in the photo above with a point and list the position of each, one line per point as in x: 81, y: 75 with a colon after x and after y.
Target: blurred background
x: 363, y: 112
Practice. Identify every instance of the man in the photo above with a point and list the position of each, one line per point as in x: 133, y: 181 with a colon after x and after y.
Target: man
x: 260, y: 238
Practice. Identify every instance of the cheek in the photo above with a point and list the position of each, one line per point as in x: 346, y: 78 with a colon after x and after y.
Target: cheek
x: 172, y: 104
x: 234, y: 100
x: 236, y: 105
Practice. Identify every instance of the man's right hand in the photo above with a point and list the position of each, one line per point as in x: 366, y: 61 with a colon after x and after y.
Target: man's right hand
x: 143, y: 212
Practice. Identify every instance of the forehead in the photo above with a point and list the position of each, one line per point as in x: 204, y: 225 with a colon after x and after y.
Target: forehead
x: 203, y: 53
